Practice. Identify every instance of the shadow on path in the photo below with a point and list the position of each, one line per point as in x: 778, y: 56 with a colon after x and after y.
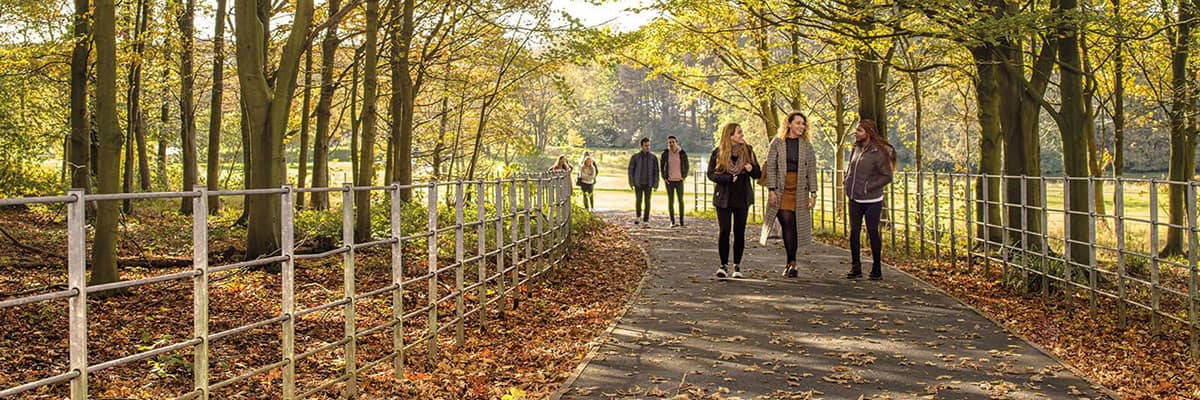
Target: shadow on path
x: 690, y: 335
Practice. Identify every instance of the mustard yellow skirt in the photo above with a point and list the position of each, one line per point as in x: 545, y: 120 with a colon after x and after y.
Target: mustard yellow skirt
x: 788, y: 202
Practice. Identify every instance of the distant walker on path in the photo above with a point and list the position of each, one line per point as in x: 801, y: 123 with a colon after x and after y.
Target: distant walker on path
x: 643, y: 178
x: 675, y: 168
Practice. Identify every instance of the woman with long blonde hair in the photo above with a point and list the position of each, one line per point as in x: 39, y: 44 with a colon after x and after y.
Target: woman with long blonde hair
x: 732, y: 166
x: 791, y: 177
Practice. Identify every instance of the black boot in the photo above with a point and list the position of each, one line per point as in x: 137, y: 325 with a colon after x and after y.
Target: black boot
x: 855, y: 271
x: 876, y: 272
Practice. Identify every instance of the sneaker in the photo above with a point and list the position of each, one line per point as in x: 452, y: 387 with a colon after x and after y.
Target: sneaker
x: 876, y: 277
x: 737, y: 272
x: 722, y: 272
x: 791, y: 272
x: 854, y: 275
x: 637, y: 221
x: 673, y: 225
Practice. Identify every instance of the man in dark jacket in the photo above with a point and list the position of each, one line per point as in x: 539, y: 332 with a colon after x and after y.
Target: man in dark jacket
x: 643, y: 178
x: 674, y: 169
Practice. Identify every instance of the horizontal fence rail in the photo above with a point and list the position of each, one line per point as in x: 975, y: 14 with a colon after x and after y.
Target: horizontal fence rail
x: 1108, y: 247
x: 529, y: 218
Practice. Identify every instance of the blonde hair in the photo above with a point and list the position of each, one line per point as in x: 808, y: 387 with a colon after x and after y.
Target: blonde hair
x: 725, y: 147
x: 787, y: 122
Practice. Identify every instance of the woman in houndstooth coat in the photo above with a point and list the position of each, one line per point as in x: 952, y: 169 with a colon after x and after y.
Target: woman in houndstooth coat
x: 790, y: 174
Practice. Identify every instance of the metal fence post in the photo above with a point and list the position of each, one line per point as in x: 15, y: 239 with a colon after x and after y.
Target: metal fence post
x: 500, y: 208
x: 953, y: 234
x: 907, y: 218
x: 1067, y: 241
x: 1194, y: 335
x: 200, y: 292
x: 77, y: 280
x: 515, y: 225
x: 481, y: 236
x: 1005, y: 222
x: 1092, y: 272
x: 1045, y: 239
x: 528, y: 208
x: 1119, y: 213
x: 432, y: 319
x: 1025, y: 231
x: 459, y: 256
x: 937, y: 218
x: 397, y: 281
x: 969, y: 218
x: 348, y: 284
x: 985, y: 209
x: 287, y: 249
x: 1154, y: 291
x: 541, y: 218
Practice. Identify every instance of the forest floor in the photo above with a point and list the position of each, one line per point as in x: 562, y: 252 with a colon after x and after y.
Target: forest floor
x: 527, y: 352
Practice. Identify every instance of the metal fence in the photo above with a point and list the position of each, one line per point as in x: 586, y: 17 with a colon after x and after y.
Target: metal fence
x: 528, y: 219
x: 945, y: 216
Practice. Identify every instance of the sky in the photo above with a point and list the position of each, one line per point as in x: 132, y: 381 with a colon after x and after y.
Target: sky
x: 611, y: 12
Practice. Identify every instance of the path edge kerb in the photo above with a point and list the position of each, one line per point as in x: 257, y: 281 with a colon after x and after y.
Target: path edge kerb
x: 598, y: 342
x: 1101, y: 388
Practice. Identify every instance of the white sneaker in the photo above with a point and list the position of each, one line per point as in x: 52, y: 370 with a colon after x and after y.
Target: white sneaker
x: 721, y: 272
x: 737, y: 272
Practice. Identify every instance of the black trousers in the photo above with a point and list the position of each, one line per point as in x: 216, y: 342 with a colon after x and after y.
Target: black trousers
x: 589, y: 200
x: 787, y: 223
x: 643, y: 196
x: 675, y: 193
x: 732, y: 219
x: 871, y: 212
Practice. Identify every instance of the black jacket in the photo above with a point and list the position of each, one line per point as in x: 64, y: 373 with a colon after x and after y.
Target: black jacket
x: 683, y: 164
x: 643, y: 170
x: 728, y: 192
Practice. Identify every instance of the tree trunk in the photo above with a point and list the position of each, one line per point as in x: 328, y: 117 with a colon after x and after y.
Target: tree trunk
x: 187, y: 109
x: 267, y: 111
x: 366, y: 164
x: 163, y: 138
x: 988, y: 99
x: 1071, y: 126
x: 915, y: 77
x: 1020, y: 113
x: 215, y: 112
x: 1089, y: 133
x: 80, y: 154
x: 1118, y: 92
x: 1183, y: 134
x: 134, y: 126
x: 355, y: 120
x: 104, y: 247
x: 320, y: 176
x: 302, y: 166
x: 401, y: 76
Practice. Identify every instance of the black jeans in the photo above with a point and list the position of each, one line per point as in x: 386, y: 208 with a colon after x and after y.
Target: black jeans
x: 675, y: 192
x: 738, y: 227
x: 643, y: 195
x: 589, y: 200
x: 871, y: 212
x: 787, y: 223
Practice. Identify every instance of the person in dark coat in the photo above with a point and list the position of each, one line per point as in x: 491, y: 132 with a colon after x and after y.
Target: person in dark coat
x: 732, y: 166
x: 871, y: 166
x: 674, y: 169
x: 643, y: 178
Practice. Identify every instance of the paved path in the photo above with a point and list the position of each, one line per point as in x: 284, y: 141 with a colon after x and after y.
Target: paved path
x: 689, y: 335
